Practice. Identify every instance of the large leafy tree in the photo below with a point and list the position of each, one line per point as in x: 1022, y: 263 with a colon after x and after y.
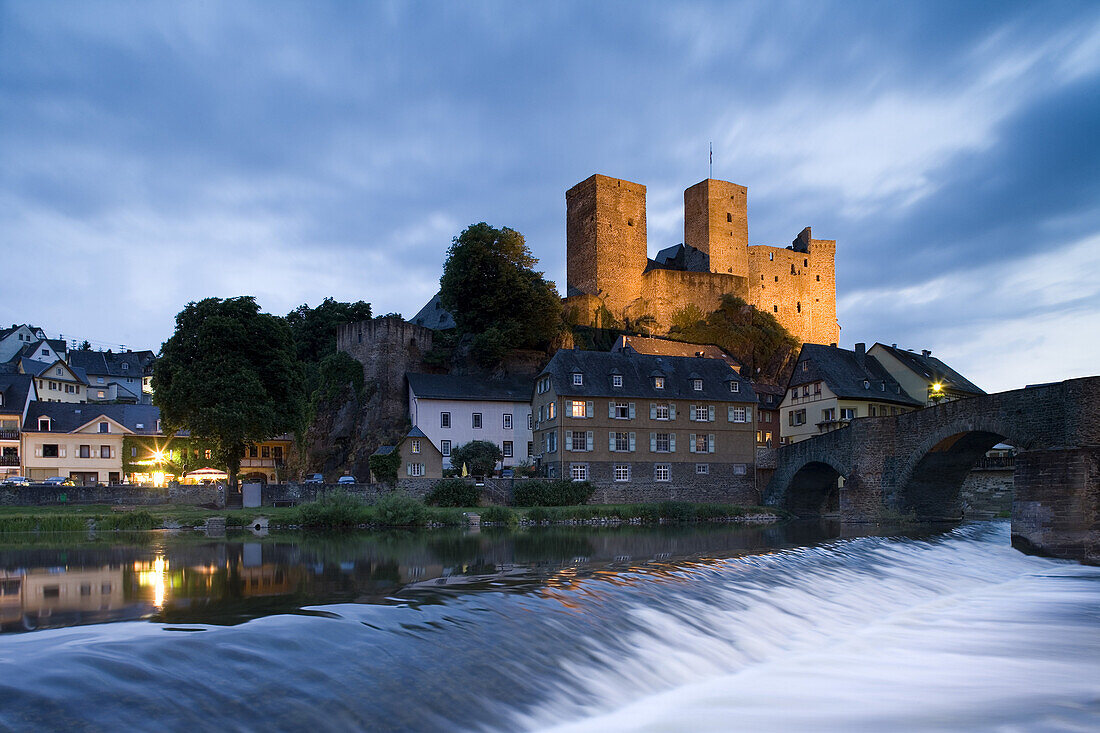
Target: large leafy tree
x: 230, y: 376
x: 479, y: 456
x: 314, y: 329
x: 490, y: 288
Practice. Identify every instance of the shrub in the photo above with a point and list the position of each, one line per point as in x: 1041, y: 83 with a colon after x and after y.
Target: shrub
x: 499, y: 515
x: 334, y: 510
x: 479, y: 456
x: 679, y: 511
x: 538, y: 514
x: 140, y: 520
x: 453, y: 492
x: 551, y: 493
x: 385, y: 466
x: 448, y: 517
x: 398, y: 509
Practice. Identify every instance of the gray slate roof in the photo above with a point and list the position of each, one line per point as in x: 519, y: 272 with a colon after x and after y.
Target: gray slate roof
x: 638, y: 371
x: 66, y: 416
x: 464, y: 387
x: 669, y: 347
x: 384, y: 450
x: 100, y: 363
x: 929, y: 367
x: 434, y: 316
x: 841, y: 371
x: 15, y: 388
x: 680, y: 257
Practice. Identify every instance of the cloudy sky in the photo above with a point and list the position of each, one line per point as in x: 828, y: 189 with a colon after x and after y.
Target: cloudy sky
x: 153, y: 154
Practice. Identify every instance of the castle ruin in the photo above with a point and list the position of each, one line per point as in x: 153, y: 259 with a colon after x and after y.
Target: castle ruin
x: 608, y: 267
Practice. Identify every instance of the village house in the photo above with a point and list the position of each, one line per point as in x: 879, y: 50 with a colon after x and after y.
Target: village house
x: 419, y: 457
x: 114, y: 377
x: 831, y: 386
x: 923, y: 377
x: 14, y: 339
x: 644, y: 427
x: 56, y: 381
x: 452, y: 410
x: 16, y: 396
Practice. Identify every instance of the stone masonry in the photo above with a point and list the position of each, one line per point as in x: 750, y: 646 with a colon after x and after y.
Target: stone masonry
x: 607, y: 263
x: 917, y: 462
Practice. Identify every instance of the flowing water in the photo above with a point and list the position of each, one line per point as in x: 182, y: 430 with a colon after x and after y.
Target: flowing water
x: 670, y: 628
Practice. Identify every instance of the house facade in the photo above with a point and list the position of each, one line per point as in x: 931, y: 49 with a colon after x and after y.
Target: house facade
x: 452, y: 410
x: 831, y: 386
x: 56, y: 381
x: 13, y: 340
x: 644, y: 427
x: 420, y: 459
x: 114, y: 377
x: 924, y: 377
x: 16, y: 396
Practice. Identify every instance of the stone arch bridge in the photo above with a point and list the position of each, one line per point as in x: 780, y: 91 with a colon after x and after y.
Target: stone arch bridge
x: 915, y: 464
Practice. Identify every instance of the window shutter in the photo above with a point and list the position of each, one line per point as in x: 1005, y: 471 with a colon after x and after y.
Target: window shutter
x: 569, y: 440
x: 38, y: 452
x: 653, y: 442
x: 631, y: 410
x: 748, y: 414
x: 710, y: 443
x: 652, y: 411
x: 671, y: 411
x: 589, y: 409
x: 672, y: 442
x: 691, y: 443
x: 611, y: 409
x: 632, y: 442
x: 61, y: 452
x: 589, y: 440
x: 710, y: 413
x: 611, y: 442
x: 691, y: 413
x: 408, y: 469
x: 729, y: 414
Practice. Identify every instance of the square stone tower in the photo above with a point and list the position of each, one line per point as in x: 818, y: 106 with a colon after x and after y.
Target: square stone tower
x: 716, y: 222
x: 605, y: 240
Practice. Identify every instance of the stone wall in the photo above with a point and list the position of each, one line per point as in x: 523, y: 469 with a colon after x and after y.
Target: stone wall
x: 665, y: 292
x: 987, y: 492
x: 121, y: 495
x: 797, y: 286
x: 719, y: 486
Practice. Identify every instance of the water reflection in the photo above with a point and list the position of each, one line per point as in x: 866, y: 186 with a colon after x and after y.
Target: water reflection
x: 183, y: 578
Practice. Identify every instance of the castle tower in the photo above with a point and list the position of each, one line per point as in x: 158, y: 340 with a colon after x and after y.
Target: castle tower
x: 716, y: 222
x: 605, y: 240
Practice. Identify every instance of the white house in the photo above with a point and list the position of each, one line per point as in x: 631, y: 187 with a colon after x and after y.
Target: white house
x: 15, y: 339
x: 452, y: 410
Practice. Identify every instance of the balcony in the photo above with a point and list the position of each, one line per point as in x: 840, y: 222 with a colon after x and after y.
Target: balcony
x: 9, y: 434
x: 9, y: 460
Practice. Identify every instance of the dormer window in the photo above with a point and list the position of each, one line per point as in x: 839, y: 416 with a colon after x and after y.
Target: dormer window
x: 140, y: 426
x: 658, y: 383
x: 43, y: 424
x: 125, y: 366
x: 697, y: 385
x: 616, y: 380
x: 884, y: 386
x: 736, y: 387
x: 104, y: 427
x: 866, y: 384
x: 578, y: 379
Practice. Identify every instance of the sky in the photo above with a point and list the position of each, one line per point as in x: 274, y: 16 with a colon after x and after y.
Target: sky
x: 153, y: 154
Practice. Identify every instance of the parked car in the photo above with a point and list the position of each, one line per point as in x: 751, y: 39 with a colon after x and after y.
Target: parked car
x: 346, y: 480
x: 59, y: 481
x: 17, y: 481
x: 315, y: 478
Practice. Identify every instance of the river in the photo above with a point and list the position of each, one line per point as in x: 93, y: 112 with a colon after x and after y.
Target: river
x: 702, y: 627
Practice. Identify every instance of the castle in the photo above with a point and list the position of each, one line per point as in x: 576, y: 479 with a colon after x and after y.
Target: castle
x: 607, y: 261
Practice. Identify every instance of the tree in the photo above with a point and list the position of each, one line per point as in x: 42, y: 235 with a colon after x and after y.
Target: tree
x: 229, y: 376
x: 314, y: 329
x: 492, y: 292
x: 479, y: 456
x: 85, y: 345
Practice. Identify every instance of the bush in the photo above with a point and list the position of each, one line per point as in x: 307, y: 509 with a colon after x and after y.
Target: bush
x: 551, y: 493
x: 453, y: 492
x: 479, y: 456
x: 128, y: 520
x: 385, y: 466
x: 678, y: 511
x: 398, y: 509
x: 335, y: 510
x: 537, y: 514
x: 499, y: 515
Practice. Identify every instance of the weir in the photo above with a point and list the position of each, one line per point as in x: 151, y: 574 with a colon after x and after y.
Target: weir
x: 915, y: 464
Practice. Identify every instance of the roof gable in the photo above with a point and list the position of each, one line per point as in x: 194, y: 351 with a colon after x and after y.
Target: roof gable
x: 847, y: 375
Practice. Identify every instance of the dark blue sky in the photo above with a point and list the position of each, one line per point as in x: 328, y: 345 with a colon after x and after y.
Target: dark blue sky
x: 152, y: 154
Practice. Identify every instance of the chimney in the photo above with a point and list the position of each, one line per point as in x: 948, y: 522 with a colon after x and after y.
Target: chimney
x: 925, y: 352
x: 861, y: 354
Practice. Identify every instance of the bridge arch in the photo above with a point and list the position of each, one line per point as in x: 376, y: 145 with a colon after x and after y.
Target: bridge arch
x: 807, y: 482
x: 933, y: 472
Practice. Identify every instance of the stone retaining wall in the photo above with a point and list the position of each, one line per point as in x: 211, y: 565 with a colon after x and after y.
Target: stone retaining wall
x: 987, y: 492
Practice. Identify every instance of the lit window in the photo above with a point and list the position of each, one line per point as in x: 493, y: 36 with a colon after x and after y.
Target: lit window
x: 415, y: 445
x: 662, y: 472
x: 578, y: 471
x: 658, y: 383
x: 697, y: 385
x: 700, y: 444
x: 577, y: 408
x: 622, y: 471
x: 550, y: 410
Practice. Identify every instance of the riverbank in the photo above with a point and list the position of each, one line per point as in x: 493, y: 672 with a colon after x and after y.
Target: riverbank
x: 343, y: 513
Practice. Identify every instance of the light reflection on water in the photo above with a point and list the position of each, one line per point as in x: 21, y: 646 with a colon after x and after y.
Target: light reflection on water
x: 669, y: 628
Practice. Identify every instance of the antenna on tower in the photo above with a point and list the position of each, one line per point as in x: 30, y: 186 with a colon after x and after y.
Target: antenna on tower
x: 711, y: 174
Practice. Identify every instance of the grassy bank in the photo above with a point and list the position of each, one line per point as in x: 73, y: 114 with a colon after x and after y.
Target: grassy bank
x: 342, y: 511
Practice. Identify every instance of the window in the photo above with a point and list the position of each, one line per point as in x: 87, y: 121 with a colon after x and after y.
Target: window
x: 414, y: 445
x: 796, y: 417
x: 662, y: 442
x: 697, y: 385
x: 158, y: 424
x: 104, y: 427
x: 577, y: 408
x: 265, y: 451
x: 622, y: 442
x: 702, y: 413
x: 59, y: 372
x: 662, y: 471
x: 578, y: 379
x: 507, y: 449
x: 507, y: 422
x: 740, y: 469
x: 140, y: 426
x: 552, y: 442
x: 133, y: 451
x: 766, y: 416
x: 578, y: 471
x: 125, y: 366
x: 735, y: 386
x: 530, y: 447
x: 444, y: 419
x: 445, y: 447
x: 476, y: 418
x: 85, y: 451
x: 620, y: 410
x: 578, y: 440
x: 658, y: 383
x: 415, y: 469
x: 702, y: 469
x: 872, y: 411
x: 530, y: 421
x: 100, y: 394
x: 828, y: 415
x: 699, y: 444
x: 768, y: 438
x: 847, y: 413
x: 550, y: 410
x: 616, y: 380
x: 738, y: 414
x: 104, y: 451
x: 50, y: 450
x: 99, y: 380
x: 622, y: 472
x: 43, y: 424
x: 207, y: 454
x: 661, y: 412
x: 866, y: 384
x: 277, y: 452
